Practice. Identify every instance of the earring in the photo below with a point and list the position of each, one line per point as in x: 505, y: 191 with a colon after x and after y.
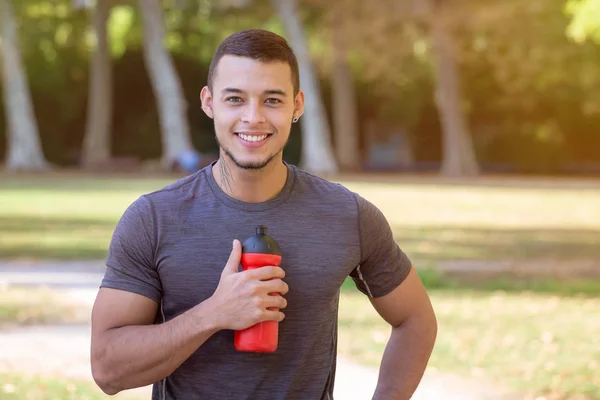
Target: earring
x: 295, y: 119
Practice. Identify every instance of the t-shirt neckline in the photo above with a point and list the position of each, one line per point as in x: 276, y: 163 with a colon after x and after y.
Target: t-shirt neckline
x: 281, y: 197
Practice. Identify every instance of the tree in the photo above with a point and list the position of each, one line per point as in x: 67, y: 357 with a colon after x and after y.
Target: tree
x: 458, y: 151
x: 167, y: 86
x: 387, y: 39
x: 24, y: 145
x: 96, y: 143
x: 585, y: 22
x: 345, y: 117
x: 317, y: 151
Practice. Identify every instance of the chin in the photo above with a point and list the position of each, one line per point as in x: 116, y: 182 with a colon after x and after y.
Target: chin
x: 251, y: 164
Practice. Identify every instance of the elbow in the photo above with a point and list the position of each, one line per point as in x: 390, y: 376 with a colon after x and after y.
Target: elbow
x: 105, y: 382
x: 104, y: 379
x: 108, y: 390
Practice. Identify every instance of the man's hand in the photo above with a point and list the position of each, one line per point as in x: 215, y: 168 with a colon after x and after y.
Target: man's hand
x: 243, y: 299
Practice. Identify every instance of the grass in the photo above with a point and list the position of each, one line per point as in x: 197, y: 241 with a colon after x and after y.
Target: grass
x: 21, y: 387
x: 36, y: 306
x: 437, y: 222
x: 535, y: 334
x: 536, y: 339
x: 537, y: 344
x: 64, y: 219
x: 74, y: 217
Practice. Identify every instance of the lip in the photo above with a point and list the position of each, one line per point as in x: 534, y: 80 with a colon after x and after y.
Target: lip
x: 253, y: 145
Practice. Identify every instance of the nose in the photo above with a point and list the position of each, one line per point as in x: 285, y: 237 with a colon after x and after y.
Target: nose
x: 253, y: 113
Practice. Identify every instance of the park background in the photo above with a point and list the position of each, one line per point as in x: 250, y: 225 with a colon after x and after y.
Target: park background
x: 473, y: 125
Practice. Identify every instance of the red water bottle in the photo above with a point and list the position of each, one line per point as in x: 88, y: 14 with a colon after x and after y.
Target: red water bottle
x: 259, y: 251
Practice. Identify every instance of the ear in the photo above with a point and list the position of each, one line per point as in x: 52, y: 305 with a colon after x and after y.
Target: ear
x: 299, y: 104
x: 207, y: 101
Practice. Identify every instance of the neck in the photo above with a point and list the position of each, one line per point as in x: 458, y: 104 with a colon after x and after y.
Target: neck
x: 251, y: 186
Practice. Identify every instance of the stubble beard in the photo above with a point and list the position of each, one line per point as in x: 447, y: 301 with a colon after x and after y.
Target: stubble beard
x: 249, y: 166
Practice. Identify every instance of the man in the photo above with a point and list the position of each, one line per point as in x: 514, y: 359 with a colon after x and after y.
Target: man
x: 173, y: 296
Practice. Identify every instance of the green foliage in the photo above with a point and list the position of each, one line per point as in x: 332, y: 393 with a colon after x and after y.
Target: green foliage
x: 521, y: 73
x: 586, y: 20
x: 120, y: 25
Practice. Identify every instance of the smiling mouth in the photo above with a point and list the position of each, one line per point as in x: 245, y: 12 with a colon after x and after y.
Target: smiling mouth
x: 253, y: 137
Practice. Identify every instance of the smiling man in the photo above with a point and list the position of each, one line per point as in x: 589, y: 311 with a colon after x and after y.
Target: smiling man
x: 173, y: 294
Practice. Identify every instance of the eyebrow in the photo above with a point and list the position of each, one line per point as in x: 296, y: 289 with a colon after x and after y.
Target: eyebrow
x: 267, y: 92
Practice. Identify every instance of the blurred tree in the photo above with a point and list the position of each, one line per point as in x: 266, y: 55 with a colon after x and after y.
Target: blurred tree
x: 393, y: 35
x: 96, y: 149
x: 530, y: 94
x: 344, y: 105
x: 317, y: 151
x: 458, y: 150
x: 166, y: 83
x: 585, y: 22
x: 24, y: 147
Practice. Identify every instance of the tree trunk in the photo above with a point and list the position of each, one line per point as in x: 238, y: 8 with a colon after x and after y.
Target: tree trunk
x: 96, y: 144
x: 317, y: 152
x: 344, y: 105
x: 458, y: 153
x: 165, y: 82
x: 24, y: 146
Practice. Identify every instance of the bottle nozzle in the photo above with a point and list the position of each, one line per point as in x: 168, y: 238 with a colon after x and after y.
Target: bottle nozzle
x: 261, y: 230
x: 261, y: 242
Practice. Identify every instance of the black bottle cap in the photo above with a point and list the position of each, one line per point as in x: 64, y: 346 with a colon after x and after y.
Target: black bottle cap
x: 261, y: 243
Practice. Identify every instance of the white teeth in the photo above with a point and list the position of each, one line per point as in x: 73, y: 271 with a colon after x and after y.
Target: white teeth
x: 252, y: 138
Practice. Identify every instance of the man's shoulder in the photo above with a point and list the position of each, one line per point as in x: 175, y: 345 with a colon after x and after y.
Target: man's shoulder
x: 178, y: 190
x: 164, y: 201
x: 330, y: 191
x: 318, y: 185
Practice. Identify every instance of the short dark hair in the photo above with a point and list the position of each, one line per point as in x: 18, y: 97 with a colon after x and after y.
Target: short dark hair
x: 257, y: 44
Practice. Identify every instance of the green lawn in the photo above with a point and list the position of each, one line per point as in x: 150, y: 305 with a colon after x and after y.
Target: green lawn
x: 20, y: 306
x: 434, y: 222
x: 20, y: 387
x: 539, y: 344
x: 535, y: 335
x: 74, y: 217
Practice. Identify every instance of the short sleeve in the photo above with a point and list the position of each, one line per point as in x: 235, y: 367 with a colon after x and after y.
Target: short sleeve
x: 383, y: 265
x: 130, y: 261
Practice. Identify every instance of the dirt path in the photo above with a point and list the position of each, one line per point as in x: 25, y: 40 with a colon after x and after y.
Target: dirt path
x: 63, y: 350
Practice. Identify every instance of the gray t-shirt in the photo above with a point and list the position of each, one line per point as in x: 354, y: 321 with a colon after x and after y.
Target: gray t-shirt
x: 171, y: 246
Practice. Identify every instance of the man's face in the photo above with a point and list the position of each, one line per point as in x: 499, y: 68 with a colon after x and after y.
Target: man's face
x: 252, y: 104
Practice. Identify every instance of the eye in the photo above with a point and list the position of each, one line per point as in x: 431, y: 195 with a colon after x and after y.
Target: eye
x: 233, y: 99
x: 273, y: 101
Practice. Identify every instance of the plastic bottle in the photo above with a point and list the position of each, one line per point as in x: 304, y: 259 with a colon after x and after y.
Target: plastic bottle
x: 259, y: 251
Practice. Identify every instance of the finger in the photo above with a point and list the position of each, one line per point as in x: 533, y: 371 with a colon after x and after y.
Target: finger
x: 265, y: 273
x: 233, y: 263
x: 276, y: 302
x: 274, y: 286
x: 272, y: 315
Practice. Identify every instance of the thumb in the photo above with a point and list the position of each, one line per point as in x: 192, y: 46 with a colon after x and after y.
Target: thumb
x: 233, y: 263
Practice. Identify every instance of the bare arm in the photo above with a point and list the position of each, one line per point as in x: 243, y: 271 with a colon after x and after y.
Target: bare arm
x: 128, y: 351
x: 414, y: 330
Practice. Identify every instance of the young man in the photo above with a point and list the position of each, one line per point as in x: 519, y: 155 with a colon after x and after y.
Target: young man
x: 172, y: 295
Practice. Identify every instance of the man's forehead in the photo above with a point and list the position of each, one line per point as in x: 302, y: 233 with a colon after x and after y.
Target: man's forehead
x: 245, y: 73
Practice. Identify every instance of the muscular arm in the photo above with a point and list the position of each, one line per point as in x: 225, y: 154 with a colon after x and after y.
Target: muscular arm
x: 414, y: 329
x: 127, y: 351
